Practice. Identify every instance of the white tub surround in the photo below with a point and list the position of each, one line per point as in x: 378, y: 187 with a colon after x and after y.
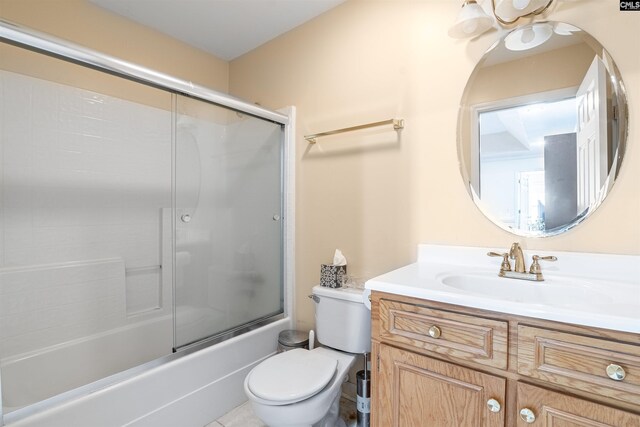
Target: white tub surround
x: 597, y: 290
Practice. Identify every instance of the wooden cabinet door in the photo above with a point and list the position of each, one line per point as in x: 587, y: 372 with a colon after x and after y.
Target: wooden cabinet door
x: 552, y: 409
x: 415, y: 390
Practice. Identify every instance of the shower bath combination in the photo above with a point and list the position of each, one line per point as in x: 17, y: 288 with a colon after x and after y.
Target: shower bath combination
x: 142, y: 220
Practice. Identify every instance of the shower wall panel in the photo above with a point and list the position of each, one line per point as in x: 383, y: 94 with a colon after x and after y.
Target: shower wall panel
x: 85, y: 183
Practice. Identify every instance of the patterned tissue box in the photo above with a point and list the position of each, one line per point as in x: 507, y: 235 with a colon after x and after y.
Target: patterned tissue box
x: 332, y: 276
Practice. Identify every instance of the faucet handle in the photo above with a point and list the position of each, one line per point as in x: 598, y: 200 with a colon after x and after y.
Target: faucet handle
x: 535, y: 266
x: 505, y: 266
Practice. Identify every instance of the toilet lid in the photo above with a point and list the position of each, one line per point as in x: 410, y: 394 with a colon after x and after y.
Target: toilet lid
x: 291, y: 376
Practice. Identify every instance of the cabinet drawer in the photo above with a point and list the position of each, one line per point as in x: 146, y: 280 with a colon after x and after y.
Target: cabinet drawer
x: 579, y: 362
x: 455, y: 335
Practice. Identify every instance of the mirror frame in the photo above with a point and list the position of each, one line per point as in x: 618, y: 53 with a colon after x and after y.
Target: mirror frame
x: 618, y: 92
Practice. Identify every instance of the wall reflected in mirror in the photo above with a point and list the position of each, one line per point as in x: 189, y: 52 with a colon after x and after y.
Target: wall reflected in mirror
x: 542, y: 129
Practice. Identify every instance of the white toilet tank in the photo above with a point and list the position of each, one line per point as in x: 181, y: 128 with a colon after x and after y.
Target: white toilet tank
x: 343, y: 321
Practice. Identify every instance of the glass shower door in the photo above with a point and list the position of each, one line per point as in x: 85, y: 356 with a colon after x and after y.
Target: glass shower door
x: 228, y: 210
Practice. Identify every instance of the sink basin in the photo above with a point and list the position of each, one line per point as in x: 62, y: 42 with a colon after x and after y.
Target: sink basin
x: 554, y: 291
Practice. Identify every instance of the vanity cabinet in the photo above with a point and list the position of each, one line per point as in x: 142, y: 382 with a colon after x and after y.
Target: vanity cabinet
x: 441, y: 365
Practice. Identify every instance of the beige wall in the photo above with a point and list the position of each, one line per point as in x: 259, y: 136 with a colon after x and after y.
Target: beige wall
x: 376, y: 196
x: 88, y: 25
x: 565, y: 68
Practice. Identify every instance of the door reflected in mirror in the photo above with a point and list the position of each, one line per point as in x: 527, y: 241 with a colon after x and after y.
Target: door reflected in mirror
x: 541, y: 130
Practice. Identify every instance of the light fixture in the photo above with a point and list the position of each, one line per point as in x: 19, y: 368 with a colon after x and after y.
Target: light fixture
x: 472, y: 19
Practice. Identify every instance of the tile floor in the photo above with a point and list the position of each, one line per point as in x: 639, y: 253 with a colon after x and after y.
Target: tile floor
x: 242, y: 416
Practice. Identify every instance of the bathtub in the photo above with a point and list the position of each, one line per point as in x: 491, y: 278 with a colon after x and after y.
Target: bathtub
x: 190, y: 390
x: 81, y: 361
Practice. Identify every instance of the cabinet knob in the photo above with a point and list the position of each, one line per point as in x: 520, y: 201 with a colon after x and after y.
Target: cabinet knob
x: 493, y: 405
x: 527, y: 415
x: 616, y: 372
x: 185, y: 218
x: 434, y: 332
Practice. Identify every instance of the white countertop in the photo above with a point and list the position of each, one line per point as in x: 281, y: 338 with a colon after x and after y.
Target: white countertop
x: 598, y: 290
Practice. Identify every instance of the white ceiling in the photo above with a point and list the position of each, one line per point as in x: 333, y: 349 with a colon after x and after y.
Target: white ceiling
x: 225, y: 28
x: 512, y: 131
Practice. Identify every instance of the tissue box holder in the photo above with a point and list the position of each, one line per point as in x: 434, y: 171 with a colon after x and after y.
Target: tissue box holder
x: 332, y: 276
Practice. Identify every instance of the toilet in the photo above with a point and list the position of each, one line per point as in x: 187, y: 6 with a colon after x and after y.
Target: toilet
x: 302, y: 387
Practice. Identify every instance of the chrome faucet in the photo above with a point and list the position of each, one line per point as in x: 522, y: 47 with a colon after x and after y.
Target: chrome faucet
x: 519, y: 269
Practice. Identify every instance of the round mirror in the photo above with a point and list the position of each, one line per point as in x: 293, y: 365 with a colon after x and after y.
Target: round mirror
x: 542, y: 129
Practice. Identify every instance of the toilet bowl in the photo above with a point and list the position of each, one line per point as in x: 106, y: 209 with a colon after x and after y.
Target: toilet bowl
x: 302, y: 388
x: 319, y: 409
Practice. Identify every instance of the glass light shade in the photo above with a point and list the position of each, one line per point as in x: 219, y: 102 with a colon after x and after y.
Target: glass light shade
x: 528, y: 37
x: 512, y: 9
x: 472, y: 21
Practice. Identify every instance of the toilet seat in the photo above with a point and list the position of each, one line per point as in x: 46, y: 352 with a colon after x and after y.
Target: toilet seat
x: 291, y: 376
